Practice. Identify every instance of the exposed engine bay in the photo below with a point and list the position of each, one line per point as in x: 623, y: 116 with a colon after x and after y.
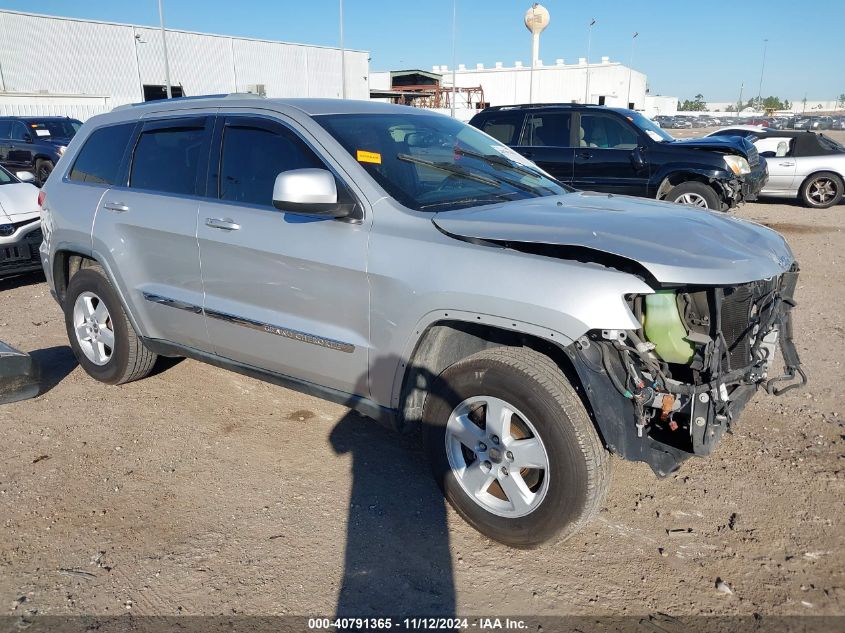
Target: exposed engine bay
x: 671, y: 389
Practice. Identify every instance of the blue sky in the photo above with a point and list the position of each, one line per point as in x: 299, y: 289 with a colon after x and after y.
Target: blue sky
x: 684, y: 47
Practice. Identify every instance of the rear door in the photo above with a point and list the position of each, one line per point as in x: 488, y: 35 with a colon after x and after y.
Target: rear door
x: 19, y: 152
x: 611, y: 155
x: 284, y: 292
x: 548, y: 140
x: 5, y: 130
x: 147, y: 227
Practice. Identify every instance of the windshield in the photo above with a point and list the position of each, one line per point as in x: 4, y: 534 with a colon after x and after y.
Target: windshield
x: 434, y: 163
x: 57, y: 128
x: 656, y: 132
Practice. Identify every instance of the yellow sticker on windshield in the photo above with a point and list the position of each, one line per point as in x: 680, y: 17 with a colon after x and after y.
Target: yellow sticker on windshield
x: 368, y: 157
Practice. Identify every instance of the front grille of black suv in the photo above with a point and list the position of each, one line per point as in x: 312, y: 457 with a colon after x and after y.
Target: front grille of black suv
x: 753, y: 156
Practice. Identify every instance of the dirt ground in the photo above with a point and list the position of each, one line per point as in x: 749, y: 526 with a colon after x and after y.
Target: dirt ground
x: 199, y: 491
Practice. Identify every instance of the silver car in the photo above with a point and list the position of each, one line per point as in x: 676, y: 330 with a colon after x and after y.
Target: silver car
x: 805, y: 165
x: 417, y: 270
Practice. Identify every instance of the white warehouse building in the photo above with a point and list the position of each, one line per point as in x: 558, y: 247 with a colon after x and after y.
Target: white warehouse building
x: 559, y: 82
x: 96, y: 66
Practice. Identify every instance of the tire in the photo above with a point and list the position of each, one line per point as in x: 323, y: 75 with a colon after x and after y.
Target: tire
x: 43, y: 169
x: 695, y: 194
x: 92, y: 305
x: 561, y: 497
x: 822, y: 190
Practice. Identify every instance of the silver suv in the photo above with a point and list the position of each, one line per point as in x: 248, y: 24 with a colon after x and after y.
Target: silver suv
x: 426, y: 275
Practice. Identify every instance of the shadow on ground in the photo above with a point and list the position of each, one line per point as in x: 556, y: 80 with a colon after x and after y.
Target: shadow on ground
x: 54, y: 364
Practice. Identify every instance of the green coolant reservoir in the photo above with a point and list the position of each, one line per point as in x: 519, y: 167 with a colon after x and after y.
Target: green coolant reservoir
x: 663, y: 327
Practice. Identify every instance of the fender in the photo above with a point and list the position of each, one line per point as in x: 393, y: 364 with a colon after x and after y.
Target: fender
x: 659, y: 178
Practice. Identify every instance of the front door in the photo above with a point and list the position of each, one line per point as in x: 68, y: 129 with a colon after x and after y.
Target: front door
x: 284, y: 292
x: 19, y: 152
x: 610, y: 156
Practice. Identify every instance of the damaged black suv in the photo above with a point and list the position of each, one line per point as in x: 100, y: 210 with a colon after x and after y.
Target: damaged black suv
x: 619, y: 151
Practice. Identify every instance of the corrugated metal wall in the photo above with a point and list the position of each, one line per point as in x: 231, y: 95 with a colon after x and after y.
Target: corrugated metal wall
x: 116, y: 60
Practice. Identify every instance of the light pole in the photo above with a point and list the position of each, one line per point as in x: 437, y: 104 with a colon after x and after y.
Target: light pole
x: 164, y: 49
x: 454, y: 59
x: 342, y: 57
x: 589, y: 42
x: 762, y: 68
x: 630, y: 68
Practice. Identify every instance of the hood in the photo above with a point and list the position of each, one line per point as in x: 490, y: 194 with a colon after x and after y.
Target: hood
x: 676, y: 244
x: 732, y: 144
x: 18, y: 202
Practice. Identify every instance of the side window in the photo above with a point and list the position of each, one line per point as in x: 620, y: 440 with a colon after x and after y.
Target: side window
x: 166, y: 160
x: 504, y: 126
x: 550, y: 129
x: 5, y: 128
x: 99, y: 159
x: 251, y: 159
x: 605, y: 131
x: 19, y: 132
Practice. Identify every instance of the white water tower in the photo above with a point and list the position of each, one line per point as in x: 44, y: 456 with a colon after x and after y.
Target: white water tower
x: 536, y: 20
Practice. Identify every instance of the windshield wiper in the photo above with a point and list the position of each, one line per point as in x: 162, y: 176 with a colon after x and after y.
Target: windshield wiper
x: 452, y: 169
x: 501, y: 161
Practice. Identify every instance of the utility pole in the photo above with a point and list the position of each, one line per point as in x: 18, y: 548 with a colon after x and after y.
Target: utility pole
x: 762, y: 68
x: 630, y: 69
x: 739, y: 103
x: 589, y: 42
x: 164, y: 49
x: 454, y: 58
x: 342, y: 57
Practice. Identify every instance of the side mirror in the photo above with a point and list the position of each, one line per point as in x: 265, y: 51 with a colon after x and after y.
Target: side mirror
x: 25, y: 176
x: 311, y: 191
x: 27, y: 138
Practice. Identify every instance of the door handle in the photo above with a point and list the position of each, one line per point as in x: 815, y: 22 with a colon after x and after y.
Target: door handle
x: 226, y: 224
x: 119, y: 207
x: 585, y: 155
x: 787, y: 164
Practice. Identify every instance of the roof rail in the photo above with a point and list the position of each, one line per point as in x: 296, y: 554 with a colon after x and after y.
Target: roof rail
x: 546, y: 105
x: 231, y: 95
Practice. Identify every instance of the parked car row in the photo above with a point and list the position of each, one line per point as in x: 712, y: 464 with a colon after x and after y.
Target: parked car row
x: 35, y: 144
x: 619, y: 151
x: 428, y: 275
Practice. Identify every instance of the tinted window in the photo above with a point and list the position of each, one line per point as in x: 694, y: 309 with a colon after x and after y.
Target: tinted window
x: 57, y: 128
x: 166, y: 160
x: 503, y: 126
x: 551, y: 129
x: 253, y: 157
x: 604, y: 131
x: 19, y: 132
x: 99, y: 159
x: 5, y: 126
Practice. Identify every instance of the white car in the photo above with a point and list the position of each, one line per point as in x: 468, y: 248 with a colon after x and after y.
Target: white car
x: 20, y: 223
x: 802, y: 164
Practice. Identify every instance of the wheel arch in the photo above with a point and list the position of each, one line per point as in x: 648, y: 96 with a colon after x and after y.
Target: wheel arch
x: 67, y: 262
x: 675, y: 178
x: 450, y: 339
x: 818, y: 171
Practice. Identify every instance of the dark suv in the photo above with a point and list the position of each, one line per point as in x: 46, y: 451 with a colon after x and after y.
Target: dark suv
x: 619, y: 151
x: 35, y: 143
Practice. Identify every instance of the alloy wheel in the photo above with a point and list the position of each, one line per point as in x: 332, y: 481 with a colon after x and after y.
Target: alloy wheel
x: 692, y: 199
x: 821, y: 190
x: 497, y: 456
x: 94, y: 329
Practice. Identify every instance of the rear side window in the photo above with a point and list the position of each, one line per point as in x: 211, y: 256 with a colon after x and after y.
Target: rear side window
x: 504, y: 126
x: 166, y: 160
x: 99, y: 159
x: 252, y: 157
x: 550, y: 129
x: 5, y: 126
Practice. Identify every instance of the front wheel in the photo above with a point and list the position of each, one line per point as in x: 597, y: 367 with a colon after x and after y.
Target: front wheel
x: 43, y: 169
x: 513, y: 448
x: 695, y: 194
x: 821, y: 191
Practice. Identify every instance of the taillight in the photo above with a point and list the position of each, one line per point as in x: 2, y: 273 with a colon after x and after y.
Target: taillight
x: 41, y: 196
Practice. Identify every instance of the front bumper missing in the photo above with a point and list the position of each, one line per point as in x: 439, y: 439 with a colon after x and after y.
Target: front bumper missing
x: 663, y: 423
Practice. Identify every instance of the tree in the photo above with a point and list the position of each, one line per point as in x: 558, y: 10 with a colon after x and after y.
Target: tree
x: 840, y: 102
x: 731, y: 108
x: 697, y: 103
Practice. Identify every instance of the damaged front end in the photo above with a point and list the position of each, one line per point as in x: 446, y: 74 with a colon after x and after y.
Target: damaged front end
x: 671, y: 389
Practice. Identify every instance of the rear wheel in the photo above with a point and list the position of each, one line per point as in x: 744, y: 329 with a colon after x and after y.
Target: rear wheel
x: 695, y: 194
x: 513, y: 448
x: 43, y: 169
x: 100, y: 334
x: 822, y: 190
